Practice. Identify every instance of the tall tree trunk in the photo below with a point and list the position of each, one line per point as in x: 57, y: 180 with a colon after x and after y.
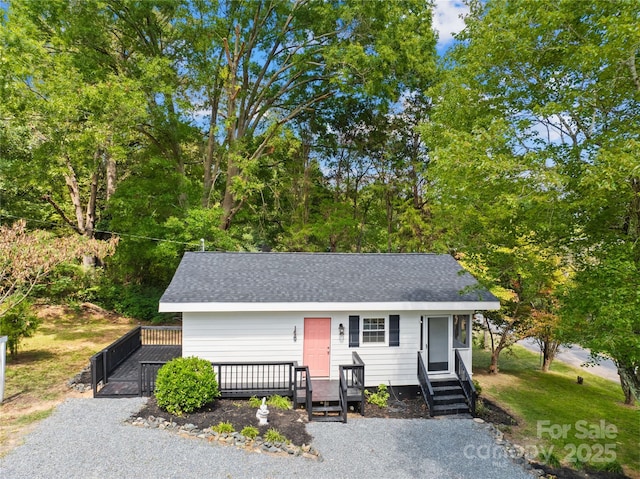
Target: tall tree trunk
x: 630, y: 381
x: 111, y: 176
x: 549, y: 350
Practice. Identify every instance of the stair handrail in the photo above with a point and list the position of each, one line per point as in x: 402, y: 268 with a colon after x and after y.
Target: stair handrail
x: 467, y: 384
x: 342, y: 393
x: 425, y: 385
x: 308, y: 389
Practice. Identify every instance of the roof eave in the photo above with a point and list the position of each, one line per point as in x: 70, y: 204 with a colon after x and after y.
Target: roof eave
x: 211, y: 307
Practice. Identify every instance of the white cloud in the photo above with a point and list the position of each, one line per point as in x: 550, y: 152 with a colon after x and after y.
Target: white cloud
x: 447, y: 19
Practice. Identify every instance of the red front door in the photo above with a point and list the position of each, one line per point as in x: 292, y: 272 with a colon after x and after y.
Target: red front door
x: 317, y: 346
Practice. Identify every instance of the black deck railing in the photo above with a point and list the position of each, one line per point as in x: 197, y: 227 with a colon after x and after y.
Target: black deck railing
x: 106, y: 361
x: 353, y: 376
x: 466, y: 382
x: 342, y: 393
x: 248, y: 379
x: 425, y: 384
x: 161, y: 335
x: 148, y: 374
x: 302, y: 384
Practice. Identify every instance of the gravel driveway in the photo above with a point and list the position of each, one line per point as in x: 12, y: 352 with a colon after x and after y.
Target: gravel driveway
x: 86, y: 438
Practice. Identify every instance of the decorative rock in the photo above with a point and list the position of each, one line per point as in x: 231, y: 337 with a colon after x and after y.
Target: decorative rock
x: 236, y: 439
x: 478, y: 420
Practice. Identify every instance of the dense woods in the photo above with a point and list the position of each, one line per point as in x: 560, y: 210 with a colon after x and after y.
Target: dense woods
x: 335, y: 126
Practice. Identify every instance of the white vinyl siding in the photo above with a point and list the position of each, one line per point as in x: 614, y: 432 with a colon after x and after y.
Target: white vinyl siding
x: 269, y: 336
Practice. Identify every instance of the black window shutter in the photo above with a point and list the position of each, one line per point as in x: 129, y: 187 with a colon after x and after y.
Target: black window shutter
x: 394, y: 330
x: 354, y: 331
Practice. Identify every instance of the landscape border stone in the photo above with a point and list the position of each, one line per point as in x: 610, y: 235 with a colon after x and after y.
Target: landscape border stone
x: 257, y: 445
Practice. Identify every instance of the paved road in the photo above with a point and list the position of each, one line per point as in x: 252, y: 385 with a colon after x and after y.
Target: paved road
x: 87, y: 438
x: 577, y: 356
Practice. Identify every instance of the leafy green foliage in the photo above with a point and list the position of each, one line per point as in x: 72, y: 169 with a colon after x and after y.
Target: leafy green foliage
x: 279, y: 402
x: 273, y: 435
x: 275, y: 401
x: 132, y: 300
x: 186, y: 384
x: 17, y: 323
x: 250, y: 432
x: 223, y: 428
x: 380, y: 398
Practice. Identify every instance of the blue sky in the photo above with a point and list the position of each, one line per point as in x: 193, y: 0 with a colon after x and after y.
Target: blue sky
x: 447, y: 21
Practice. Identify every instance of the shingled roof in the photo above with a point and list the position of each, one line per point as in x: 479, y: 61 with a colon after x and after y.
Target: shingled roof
x: 215, y: 277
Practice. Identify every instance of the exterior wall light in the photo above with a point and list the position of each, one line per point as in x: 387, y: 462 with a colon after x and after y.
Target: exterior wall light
x: 295, y: 337
x: 341, y: 330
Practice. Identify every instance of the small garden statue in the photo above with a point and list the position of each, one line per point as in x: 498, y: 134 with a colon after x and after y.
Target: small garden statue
x: 263, y: 413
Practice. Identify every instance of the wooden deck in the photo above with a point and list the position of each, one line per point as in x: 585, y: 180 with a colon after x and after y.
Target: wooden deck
x: 124, y: 379
x: 325, y: 390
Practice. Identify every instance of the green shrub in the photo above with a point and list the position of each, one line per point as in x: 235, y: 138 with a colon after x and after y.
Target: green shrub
x: 223, y: 428
x: 379, y: 398
x: 478, y: 387
x: 18, y: 323
x: 273, y: 435
x: 186, y: 384
x: 250, y: 432
x: 279, y: 402
x: 255, y: 401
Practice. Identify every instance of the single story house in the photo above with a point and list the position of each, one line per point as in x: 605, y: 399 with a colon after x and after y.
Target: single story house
x: 318, y: 308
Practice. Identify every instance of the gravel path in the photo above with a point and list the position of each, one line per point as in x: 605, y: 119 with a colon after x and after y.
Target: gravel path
x: 86, y: 438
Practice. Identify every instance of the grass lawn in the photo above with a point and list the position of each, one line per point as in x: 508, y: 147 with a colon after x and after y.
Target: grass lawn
x: 559, y: 418
x: 36, y: 381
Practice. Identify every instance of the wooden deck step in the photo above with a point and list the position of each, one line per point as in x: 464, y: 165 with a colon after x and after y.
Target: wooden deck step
x: 327, y: 419
x: 324, y: 409
x: 449, y: 409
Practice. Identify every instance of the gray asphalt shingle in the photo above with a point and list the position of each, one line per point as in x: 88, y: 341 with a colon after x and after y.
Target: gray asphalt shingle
x: 226, y: 277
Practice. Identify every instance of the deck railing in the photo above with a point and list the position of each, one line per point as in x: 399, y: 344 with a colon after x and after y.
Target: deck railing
x: 425, y: 384
x: 353, y: 375
x: 121, y: 349
x: 342, y: 393
x: 466, y: 382
x: 302, y: 382
x: 106, y: 361
x: 161, y: 335
x: 98, y: 370
x: 249, y: 379
x: 148, y: 374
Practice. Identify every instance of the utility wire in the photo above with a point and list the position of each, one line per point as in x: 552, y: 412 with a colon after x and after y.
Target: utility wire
x: 128, y: 235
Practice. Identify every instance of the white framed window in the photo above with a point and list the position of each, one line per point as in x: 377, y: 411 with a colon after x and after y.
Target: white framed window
x: 373, y: 331
x: 461, y: 330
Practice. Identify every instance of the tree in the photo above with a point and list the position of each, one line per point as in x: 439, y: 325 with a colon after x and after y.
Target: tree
x: 26, y: 259
x: 79, y: 113
x: 562, y: 79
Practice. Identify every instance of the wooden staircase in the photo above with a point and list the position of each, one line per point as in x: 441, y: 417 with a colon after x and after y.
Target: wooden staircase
x: 326, y: 411
x: 448, y: 397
